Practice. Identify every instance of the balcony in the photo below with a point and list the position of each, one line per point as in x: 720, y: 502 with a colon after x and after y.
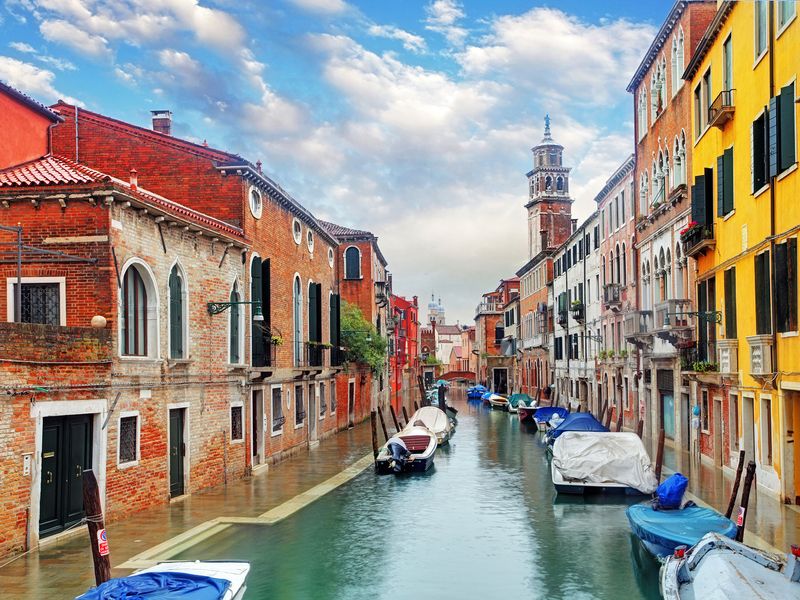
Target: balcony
x: 578, y: 311
x: 562, y: 318
x: 669, y: 323
x: 308, y: 356
x: 489, y: 307
x: 728, y: 356
x: 638, y: 327
x: 721, y: 110
x: 612, y: 296
x: 760, y: 356
x: 698, y: 240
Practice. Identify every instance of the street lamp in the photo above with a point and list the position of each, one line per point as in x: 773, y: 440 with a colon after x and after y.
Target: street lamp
x: 214, y: 308
x: 710, y: 316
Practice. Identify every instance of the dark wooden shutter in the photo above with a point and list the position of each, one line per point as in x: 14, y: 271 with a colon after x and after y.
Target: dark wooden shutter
x: 702, y: 327
x: 318, y: 333
x: 259, y: 351
x: 720, y: 187
x: 772, y: 137
x: 786, y: 137
x: 313, y: 316
x: 175, y: 315
x: 759, y: 153
x: 699, y: 199
x: 763, y: 325
x: 335, y: 332
x: 727, y: 165
x: 791, y: 280
x: 234, y: 337
x: 781, y: 300
x: 709, y: 196
x: 730, y: 303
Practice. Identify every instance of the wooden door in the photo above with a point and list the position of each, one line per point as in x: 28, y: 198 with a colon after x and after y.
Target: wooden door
x: 177, y: 452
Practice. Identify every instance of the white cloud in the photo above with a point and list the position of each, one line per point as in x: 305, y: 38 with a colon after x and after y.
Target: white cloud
x: 38, y: 83
x: 410, y: 41
x: 22, y: 47
x: 443, y: 16
x: 76, y: 38
x: 329, y: 7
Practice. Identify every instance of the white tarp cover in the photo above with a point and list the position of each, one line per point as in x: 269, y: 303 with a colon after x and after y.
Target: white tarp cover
x: 433, y: 418
x: 604, y: 457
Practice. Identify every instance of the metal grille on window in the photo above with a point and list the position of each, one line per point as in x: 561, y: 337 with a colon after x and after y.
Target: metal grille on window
x: 127, y: 439
x: 236, y: 423
x: 41, y: 303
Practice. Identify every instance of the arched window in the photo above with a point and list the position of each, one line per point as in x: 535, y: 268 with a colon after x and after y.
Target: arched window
x: 682, y: 156
x: 548, y: 184
x: 676, y: 75
x: 297, y: 306
x: 643, y: 193
x: 624, y: 266
x: 667, y: 171
x: 177, y: 313
x: 352, y: 263
x: 617, y: 266
x: 560, y: 184
x: 611, y: 266
x: 604, y: 271
x: 642, y: 112
x: 235, y: 327
x: 668, y: 275
x: 139, y: 322
x: 680, y: 56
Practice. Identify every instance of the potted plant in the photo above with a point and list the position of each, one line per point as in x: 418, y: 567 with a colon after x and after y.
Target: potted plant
x: 602, y: 355
x: 623, y: 354
x: 687, y: 231
x: 610, y: 354
x: 276, y: 340
x: 703, y: 366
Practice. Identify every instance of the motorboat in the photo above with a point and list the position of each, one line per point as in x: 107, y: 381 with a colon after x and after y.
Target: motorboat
x: 436, y: 420
x: 543, y: 415
x: 661, y: 531
x: 184, y: 580
x: 601, y: 462
x: 475, y: 392
x: 485, y: 397
x: 409, y: 451
x: 499, y: 402
x: 516, y: 400
x: 718, y: 567
x: 525, y: 413
x: 575, y: 422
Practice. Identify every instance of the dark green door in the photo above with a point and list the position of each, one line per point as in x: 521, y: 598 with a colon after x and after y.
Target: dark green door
x: 177, y: 451
x: 66, y: 453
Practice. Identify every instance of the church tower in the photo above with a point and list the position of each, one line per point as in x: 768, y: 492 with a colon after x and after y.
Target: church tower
x: 549, y: 204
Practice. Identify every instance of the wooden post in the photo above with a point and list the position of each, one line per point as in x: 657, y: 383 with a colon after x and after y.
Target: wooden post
x: 735, y: 489
x: 609, y: 416
x: 602, y: 415
x: 660, y: 455
x: 640, y: 428
x: 394, y: 418
x: 383, y: 424
x: 416, y: 406
x: 97, y: 531
x: 619, y: 422
x: 423, y: 397
x: 741, y: 519
x: 405, y: 415
x: 374, y: 422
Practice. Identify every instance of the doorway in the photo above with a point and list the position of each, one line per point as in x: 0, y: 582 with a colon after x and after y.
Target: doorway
x: 668, y: 415
x: 66, y: 453
x: 258, y: 427
x: 351, y: 403
x: 177, y: 451
x: 500, y: 380
x: 717, y: 425
x: 686, y: 425
x: 748, y: 428
x: 313, y: 416
x: 791, y: 467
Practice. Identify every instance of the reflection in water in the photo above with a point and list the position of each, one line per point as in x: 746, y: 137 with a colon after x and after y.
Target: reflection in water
x: 484, y: 523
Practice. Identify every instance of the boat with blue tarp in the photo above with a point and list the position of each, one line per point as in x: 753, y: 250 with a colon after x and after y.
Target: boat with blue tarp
x: 575, y: 422
x: 543, y: 415
x: 475, y: 392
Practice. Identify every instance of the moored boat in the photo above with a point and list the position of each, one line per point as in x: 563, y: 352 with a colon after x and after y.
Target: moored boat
x: 525, y: 413
x: 475, y: 392
x: 543, y: 415
x: 575, y: 422
x: 601, y: 462
x: 184, y: 580
x: 409, y: 451
x: 498, y: 401
x: 718, y: 567
x: 517, y: 400
x: 436, y: 420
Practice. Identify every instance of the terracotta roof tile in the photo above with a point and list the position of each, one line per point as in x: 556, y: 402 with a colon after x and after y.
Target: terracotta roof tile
x: 50, y: 170
x: 341, y: 231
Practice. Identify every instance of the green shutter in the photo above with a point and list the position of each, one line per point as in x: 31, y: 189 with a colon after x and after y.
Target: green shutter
x: 762, y: 292
x: 772, y: 137
x: 313, y: 316
x: 781, y: 276
x: 730, y: 303
x: 234, y: 325
x: 259, y: 350
x: 727, y: 165
x: 175, y: 315
x: 720, y: 187
x: 702, y: 327
x: 699, y: 200
x: 791, y: 281
x: 786, y: 137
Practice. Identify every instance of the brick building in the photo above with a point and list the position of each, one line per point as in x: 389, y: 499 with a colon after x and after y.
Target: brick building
x: 494, y: 368
x: 404, y: 355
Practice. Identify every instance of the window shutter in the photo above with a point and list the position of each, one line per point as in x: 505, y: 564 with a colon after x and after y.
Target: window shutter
x: 786, y: 137
x: 727, y: 163
x: 313, y: 316
x: 752, y: 158
x: 234, y: 339
x: 702, y: 328
x: 259, y: 350
x: 175, y: 316
x: 772, y: 137
x: 763, y: 311
x: 699, y: 200
x: 720, y: 187
x: 730, y: 303
x: 781, y: 299
x: 266, y: 292
x: 791, y: 280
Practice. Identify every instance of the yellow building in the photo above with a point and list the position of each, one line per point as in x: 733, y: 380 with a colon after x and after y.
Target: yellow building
x: 743, y: 237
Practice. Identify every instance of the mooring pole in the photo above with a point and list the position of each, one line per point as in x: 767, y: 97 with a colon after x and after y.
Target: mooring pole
x: 741, y: 519
x: 383, y: 424
x: 619, y: 422
x: 416, y: 406
x: 374, y: 422
x: 97, y: 531
x: 660, y: 455
x: 640, y: 428
x: 602, y: 415
x: 735, y: 489
x: 394, y: 418
x: 405, y: 415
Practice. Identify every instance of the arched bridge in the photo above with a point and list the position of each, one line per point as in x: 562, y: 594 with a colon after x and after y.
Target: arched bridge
x: 468, y: 376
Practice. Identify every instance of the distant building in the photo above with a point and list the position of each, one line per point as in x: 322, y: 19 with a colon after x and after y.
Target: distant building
x: 436, y: 311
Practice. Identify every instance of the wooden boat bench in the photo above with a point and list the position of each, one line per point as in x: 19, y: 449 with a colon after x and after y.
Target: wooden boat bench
x: 415, y: 443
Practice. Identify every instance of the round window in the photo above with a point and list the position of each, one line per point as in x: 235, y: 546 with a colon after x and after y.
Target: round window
x: 310, y: 240
x: 297, y: 231
x: 255, y: 203
x: 330, y: 257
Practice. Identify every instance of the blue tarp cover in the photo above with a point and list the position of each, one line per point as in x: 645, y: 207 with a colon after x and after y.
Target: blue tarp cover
x: 546, y: 413
x: 675, y: 527
x: 158, y: 586
x: 486, y: 395
x: 576, y: 422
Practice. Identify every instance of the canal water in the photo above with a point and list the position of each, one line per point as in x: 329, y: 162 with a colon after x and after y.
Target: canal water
x: 484, y: 523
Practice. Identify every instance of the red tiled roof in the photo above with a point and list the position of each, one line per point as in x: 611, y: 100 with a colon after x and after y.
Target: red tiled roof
x: 345, y: 232
x: 50, y: 170
x: 449, y: 329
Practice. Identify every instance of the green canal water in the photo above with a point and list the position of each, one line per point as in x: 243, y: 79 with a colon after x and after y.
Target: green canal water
x: 484, y: 523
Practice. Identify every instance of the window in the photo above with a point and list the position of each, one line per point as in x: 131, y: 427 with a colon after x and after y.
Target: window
x: 310, y: 240
x: 560, y: 184
x: 733, y: 421
x: 786, y: 12
x: 237, y: 423
x: 177, y: 312
x: 642, y: 112
x: 760, y: 28
x: 235, y: 327
x: 333, y: 397
x: 725, y: 188
x: 766, y: 431
x: 786, y: 128
x: 759, y: 156
x: 277, y: 410
x: 704, y: 411
x: 298, y: 321
x: 352, y: 263
x: 763, y: 315
x: 727, y: 65
x: 128, y: 442
x: 622, y: 206
x: 255, y: 203
x: 42, y: 300
x: 331, y: 257
x: 134, y: 313
x: 322, y: 406
x: 596, y: 237
x: 297, y: 231
x: 299, y: 406
x: 730, y: 304
x: 698, y: 119
x: 786, y: 285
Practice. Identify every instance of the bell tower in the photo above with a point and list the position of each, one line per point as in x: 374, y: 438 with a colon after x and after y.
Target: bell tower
x: 549, y: 204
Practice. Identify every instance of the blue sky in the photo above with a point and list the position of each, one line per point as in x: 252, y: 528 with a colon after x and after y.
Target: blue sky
x: 411, y: 118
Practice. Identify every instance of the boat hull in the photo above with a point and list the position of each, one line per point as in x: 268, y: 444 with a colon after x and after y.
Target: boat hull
x: 384, y: 466
x: 525, y: 414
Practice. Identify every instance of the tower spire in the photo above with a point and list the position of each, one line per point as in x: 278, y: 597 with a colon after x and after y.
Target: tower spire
x: 547, y: 137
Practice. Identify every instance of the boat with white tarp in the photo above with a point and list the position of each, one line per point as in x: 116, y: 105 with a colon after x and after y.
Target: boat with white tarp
x: 436, y: 420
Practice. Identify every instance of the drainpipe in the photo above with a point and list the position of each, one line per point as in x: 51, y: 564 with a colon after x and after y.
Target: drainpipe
x: 77, y: 156
x: 774, y: 320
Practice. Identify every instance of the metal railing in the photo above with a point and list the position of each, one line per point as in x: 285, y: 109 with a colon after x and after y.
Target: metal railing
x: 639, y: 322
x: 612, y: 293
x: 696, y: 236
x: 676, y: 309
x: 721, y: 108
x: 489, y: 307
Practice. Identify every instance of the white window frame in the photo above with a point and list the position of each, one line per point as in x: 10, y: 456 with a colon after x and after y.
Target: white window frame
x: 781, y: 28
x: 305, y: 405
x: 259, y: 211
x: 760, y: 55
x: 297, y: 232
x: 360, y: 264
x: 762, y: 438
x: 62, y: 292
x: 184, y: 309
x: 275, y: 432
x: 235, y: 404
x: 123, y: 415
x: 321, y: 399
x: 153, y: 314
x: 332, y: 406
x: 331, y: 257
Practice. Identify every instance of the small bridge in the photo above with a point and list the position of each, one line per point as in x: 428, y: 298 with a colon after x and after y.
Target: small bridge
x: 468, y: 376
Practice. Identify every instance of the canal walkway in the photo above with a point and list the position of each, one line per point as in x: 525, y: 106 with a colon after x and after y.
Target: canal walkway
x: 484, y: 522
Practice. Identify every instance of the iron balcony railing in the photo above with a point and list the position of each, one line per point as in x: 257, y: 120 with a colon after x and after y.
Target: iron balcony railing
x: 638, y: 323
x: 677, y: 309
x: 278, y: 422
x: 698, y: 239
x: 612, y: 294
x: 721, y: 110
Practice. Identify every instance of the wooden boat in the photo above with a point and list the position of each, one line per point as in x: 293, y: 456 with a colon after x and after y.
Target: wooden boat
x: 499, y: 402
x: 436, y: 420
x: 515, y: 400
x: 182, y: 580
x: 543, y: 415
x: 661, y: 531
x: 525, y: 413
x: 601, y: 462
x: 718, y: 567
x: 475, y: 392
x: 410, y: 451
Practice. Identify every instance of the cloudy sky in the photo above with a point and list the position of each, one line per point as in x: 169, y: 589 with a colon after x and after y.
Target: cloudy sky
x: 411, y: 118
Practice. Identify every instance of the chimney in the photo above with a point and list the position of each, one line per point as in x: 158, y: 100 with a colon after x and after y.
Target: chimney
x: 574, y: 225
x: 162, y: 121
x: 134, y: 180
